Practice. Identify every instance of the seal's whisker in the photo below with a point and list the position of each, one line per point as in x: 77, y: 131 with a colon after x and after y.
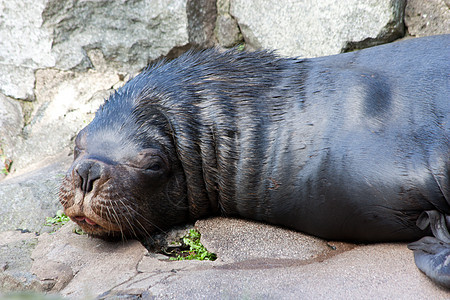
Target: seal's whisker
x: 113, y: 215
x: 116, y: 217
x: 147, y: 219
x: 126, y: 218
x: 141, y: 228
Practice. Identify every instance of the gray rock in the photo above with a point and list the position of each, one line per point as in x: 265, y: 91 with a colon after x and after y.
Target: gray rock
x: 350, y: 272
x: 26, y: 46
x: 316, y: 28
x: 129, y: 33
x: 24, y: 40
x: 17, y: 81
x: 66, y: 101
x: 245, y: 240
x: 79, y: 266
x: 201, y: 16
x: 15, y: 261
x: 227, y: 31
x: 26, y: 201
x: 429, y: 17
x: 11, y: 122
x: 59, y: 33
x: 368, y: 272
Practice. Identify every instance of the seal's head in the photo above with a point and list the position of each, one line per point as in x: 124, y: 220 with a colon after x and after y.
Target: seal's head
x: 126, y: 180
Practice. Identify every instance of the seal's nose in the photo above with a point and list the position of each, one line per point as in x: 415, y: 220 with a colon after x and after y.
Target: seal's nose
x: 89, y: 171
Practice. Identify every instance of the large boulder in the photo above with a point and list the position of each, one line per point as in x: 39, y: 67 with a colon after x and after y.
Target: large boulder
x: 59, y: 33
x: 26, y: 46
x: 316, y: 28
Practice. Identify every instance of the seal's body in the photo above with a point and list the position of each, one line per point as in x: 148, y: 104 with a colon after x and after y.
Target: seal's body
x: 354, y: 146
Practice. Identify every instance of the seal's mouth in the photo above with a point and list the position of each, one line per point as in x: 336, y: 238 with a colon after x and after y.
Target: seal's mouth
x: 80, y: 220
x: 87, y: 225
x: 99, y: 227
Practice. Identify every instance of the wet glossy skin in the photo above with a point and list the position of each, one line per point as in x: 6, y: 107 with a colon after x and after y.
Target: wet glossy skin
x: 353, y: 146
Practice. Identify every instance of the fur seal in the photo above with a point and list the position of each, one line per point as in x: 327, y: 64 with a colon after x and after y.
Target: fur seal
x: 353, y: 147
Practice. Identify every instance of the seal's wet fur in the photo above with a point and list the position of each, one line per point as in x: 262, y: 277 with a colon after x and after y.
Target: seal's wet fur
x: 353, y: 146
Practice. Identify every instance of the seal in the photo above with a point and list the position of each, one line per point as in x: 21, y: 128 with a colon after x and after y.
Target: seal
x: 352, y: 147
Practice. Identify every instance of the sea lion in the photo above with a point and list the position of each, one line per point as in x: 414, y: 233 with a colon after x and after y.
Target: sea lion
x: 353, y: 147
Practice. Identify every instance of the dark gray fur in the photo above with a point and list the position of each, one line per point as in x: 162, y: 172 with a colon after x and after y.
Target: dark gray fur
x: 353, y: 146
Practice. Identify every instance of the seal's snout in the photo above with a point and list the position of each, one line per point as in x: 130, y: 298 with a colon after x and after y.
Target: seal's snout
x: 89, y: 171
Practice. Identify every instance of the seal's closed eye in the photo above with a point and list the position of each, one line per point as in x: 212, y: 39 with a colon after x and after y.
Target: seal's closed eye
x: 154, y: 166
x: 151, y: 160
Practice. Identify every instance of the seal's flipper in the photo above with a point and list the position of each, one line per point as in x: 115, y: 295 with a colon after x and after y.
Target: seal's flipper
x: 438, y: 222
x: 432, y: 257
x: 432, y: 254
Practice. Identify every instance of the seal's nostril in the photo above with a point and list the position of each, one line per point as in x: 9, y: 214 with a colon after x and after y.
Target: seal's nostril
x: 89, y: 171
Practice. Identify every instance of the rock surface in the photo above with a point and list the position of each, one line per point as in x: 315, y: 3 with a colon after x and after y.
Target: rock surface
x: 11, y: 123
x: 295, y: 266
x: 80, y: 266
x: 201, y: 16
x: 26, y: 201
x: 20, y: 56
x: 317, y: 28
x: 15, y: 262
x: 227, y: 30
x: 60, y: 33
x: 244, y: 239
x: 429, y: 17
x: 65, y: 102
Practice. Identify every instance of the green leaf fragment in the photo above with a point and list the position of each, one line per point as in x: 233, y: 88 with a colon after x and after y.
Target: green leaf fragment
x: 196, y: 250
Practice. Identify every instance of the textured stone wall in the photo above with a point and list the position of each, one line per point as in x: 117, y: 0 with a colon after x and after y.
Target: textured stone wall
x: 59, y: 59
